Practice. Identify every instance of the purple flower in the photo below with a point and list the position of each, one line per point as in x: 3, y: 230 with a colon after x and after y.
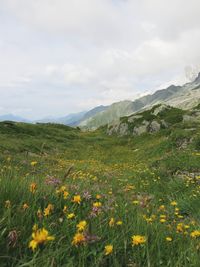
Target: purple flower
x: 50, y: 180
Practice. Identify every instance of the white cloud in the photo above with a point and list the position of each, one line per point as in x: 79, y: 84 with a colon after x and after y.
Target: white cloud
x: 58, y: 56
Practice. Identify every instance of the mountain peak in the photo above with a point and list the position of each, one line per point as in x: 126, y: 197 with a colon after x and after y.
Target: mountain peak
x: 197, y: 80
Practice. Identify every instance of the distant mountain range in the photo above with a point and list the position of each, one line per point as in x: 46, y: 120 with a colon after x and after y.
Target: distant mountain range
x: 185, y: 97
x: 11, y: 117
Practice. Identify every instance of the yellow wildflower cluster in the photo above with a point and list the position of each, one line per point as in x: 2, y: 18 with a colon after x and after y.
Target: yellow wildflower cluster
x: 39, y: 236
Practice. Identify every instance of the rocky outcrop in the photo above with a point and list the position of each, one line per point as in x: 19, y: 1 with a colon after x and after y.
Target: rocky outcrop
x: 148, y: 121
x: 153, y: 120
x: 143, y: 128
x: 154, y: 126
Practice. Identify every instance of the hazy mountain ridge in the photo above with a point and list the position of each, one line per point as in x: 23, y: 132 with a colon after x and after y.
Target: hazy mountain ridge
x: 185, y: 97
x: 11, y: 117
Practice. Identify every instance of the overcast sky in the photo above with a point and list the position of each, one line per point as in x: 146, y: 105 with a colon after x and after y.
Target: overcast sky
x: 64, y: 56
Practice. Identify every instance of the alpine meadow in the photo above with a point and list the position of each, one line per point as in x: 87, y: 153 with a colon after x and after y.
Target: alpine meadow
x: 99, y: 133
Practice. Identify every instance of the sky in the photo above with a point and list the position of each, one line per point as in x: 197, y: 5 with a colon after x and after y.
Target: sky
x: 65, y: 56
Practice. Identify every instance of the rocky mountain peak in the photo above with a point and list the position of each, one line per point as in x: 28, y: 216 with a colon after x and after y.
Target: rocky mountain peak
x: 197, y: 80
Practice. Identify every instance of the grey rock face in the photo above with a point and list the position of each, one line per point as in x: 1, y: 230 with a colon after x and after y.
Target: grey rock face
x: 134, y: 117
x: 154, y: 127
x: 123, y: 129
x: 164, y: 124
x: 113, y: 129
x: 159, y: 109
x: 143, y: 128
x: 187, y: 118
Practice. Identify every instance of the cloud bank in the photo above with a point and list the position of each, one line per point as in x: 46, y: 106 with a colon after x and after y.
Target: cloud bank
x: 58, y: 56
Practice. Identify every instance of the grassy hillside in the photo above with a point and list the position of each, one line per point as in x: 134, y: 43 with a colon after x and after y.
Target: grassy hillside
x: 72, y: 198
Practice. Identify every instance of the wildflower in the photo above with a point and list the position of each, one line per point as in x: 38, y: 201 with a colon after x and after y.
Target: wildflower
x: 77, y: 199
x: 162, y: 220
x: 135, y: 202
x: 119, y: 223
x: 33, y: 187
x: 78, y: 239
x: 25, y: 206
x: 65, y: 194
x: 97, y: 204
x: 52, y: 181
x: 173, y: 203
x: 33, y: 163
x: 40, y: 236
x: 65, y: 209
x: 168, y: 239
x: 48, y: 210
x: 39, y: 214
x: 161, y: 208
x: 12, y: 238
x: 35, y: 227
x: 195, y: 234
x: 81, y: 226
x: 108, y: 249
x: 98, y: 196
x: 111, y: 222
x: 86, y: 195
x: 180, y: 227
x: 7, y: 204
x: 138, y: 240
x: 70, y: 216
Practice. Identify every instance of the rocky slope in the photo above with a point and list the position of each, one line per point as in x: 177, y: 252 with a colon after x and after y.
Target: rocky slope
x: 159, y: 117
x: 185, y: 97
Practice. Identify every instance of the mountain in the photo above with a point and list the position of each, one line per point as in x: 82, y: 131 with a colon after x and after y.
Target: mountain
x: 74, y: 119
x: 11, y: 117
x: 185, y: 97
x: 70, y: 119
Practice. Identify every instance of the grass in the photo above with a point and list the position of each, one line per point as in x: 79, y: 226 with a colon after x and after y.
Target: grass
x: 128, y: 186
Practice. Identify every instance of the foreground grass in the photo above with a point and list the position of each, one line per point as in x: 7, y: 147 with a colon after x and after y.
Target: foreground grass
x: 122, y: 196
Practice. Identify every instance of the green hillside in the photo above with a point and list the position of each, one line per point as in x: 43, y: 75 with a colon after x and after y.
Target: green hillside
x: 73, y: 198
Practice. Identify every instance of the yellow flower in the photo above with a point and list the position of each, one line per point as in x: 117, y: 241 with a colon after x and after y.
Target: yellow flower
x: 65, y: 209
x: 180, y: 227
x: 25, y: 206
x: 173, y: 203
x: 108, y: 249
x: 7, y: 204
x: 138, y: 240
x: 161, y: 208
x: 119, y: 223
x: 81, y: 226
x: 78, y: 239
x: 111, y: 222
x: 162, y: 220
x: 48, y: 210
x: 39, y: 236
x: 35, y: 227
x: 70, y: 216
x: 135, y: 202
x: 98, y: 196
x: 65, y: 194
x: 39, y: 214
x: 97, y: 204
x: 33, y: 163
x: 195, y: 234
x: 77, y: 199
x: 168, y: 239
x: 33, y: 187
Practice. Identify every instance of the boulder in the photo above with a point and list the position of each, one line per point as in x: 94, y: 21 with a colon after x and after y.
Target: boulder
x: 123, y: 129
x: 154, y: 126
x: 143, y: 128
